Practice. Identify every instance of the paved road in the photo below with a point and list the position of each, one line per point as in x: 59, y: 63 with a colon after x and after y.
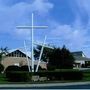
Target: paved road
x: 75, y: 85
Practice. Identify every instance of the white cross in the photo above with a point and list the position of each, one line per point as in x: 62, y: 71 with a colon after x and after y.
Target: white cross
x: 32, y: 27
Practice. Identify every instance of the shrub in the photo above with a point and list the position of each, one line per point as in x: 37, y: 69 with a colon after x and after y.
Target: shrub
x: 24, y: 68
x: 41, y: 74
x: 18, y: 76
x: 12, y: 68
x: 72, y: 75
x: 51, y: 68
x: 1, y: 68
x: 61, y: 75
x: 39, y: 68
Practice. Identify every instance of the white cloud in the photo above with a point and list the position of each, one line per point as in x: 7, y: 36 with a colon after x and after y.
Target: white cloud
x: 74, y: 35
x: 20, y: 14
x: 42, y: 6
x: 71, y: 36
x: 84, y: 5
x: 83, y: 9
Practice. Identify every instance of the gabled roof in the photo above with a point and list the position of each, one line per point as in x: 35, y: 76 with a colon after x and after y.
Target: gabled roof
x: 28, y: 53
x: 78, y: 54
x: 19, y: 51
x: 79, y: 58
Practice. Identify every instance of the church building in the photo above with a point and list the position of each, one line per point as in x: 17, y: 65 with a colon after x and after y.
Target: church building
x: 19, y: 58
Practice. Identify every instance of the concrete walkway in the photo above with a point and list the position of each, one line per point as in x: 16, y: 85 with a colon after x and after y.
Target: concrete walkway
x: 41, y: 85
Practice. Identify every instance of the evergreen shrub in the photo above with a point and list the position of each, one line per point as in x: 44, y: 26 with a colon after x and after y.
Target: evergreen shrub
x: 1, y: 68
x: 62, y: 75
x: 18, y: 76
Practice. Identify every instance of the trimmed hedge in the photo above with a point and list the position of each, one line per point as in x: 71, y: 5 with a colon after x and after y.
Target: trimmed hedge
x: 15, y: 74
x: 61, y: 75
x: 18, y: 76
x: 24, y: 68
x: 12, y: 68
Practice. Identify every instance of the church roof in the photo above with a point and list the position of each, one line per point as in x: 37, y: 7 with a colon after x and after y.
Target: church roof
x: 79, y: 55
x: 19, y: 51
x: 81, y: 58
x: 28, y: 53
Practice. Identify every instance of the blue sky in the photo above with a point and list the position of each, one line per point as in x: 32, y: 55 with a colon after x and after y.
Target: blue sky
x: 68, y: 23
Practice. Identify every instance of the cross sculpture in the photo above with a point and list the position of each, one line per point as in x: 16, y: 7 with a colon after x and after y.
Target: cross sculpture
x: 32, y: 27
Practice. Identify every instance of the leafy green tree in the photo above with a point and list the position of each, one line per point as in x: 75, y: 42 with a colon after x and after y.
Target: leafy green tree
x: 60, y: 59
x: 57, y: 58
x: 3, y: 52
x: 45, y: 54
x: 0, y: 57
x: 67, y: 58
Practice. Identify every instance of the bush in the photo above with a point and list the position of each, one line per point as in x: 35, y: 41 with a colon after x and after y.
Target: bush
x: 72, y: 75
x: 41, y: 74
x: 1, y: 68
x: 51, y: 68
x: 61, y: 75
x: 18, y: 76
x: 24, y: 68
x: 12, y: 68
x: 39, y: 68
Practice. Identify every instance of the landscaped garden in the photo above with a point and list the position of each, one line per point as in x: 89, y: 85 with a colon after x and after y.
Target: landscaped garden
x: 59, y: 69
x: 64, y: 75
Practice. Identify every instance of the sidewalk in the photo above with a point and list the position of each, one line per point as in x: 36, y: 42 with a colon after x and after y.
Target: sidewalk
x: 12, y: 86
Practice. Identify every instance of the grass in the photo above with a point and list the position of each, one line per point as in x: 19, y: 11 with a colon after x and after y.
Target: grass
x: 3, y: 78
x: 86, y: 76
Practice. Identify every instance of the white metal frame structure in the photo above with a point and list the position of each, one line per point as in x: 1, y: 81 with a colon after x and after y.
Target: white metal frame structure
x: 40, y: 54
x: 32, y: 27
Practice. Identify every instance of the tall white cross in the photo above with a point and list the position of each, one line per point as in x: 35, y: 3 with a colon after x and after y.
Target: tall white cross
x: 32, y: 27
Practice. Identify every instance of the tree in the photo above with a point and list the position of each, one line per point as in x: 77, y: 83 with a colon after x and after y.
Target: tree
x: 60, y: 59
x: 3, y: 52
x: 57, y: 58
x: 45, y: 54
x: 67, y: 58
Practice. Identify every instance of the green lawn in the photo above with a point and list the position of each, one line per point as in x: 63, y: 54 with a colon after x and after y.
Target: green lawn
x: 3, y: 78
x: 86, y: 76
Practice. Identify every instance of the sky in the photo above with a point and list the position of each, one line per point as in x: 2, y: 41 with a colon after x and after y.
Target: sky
x: 68, y: 23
